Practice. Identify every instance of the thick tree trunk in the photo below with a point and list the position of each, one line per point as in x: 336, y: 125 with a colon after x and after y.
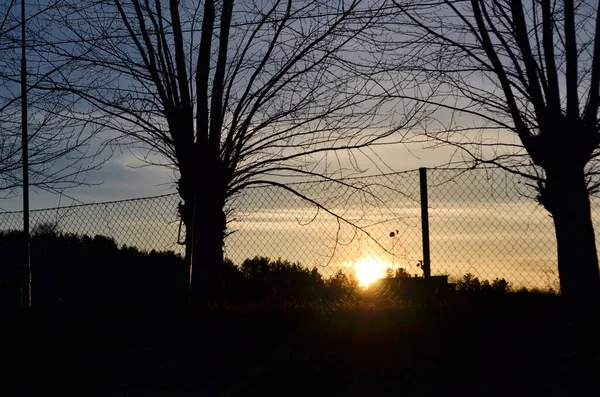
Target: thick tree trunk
x: 204, y: 218
x: 566, y: 198
x: 207, y: 250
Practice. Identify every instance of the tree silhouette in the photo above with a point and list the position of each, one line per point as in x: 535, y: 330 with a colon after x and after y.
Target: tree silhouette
x: 73, y: 271
x: 60, y: 148
x: 398, y: 273
x: 516, y: 85
x: 228, y: 94
x: 279, y: 281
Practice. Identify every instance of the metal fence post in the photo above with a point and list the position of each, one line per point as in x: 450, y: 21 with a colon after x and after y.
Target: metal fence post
x: 26, y: 286
x: 425, y: 222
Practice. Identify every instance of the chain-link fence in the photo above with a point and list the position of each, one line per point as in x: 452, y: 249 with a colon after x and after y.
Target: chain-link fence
x: 483, y: 222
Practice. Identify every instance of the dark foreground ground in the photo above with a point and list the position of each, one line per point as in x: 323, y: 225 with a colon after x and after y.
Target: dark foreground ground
x: 502, y: 349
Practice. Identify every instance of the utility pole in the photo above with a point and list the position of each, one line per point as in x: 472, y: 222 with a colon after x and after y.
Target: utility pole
x: 26, y: 273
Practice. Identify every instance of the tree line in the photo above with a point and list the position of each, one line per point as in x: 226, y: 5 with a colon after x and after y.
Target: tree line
x: 79, y: 271
x: 95, y: 273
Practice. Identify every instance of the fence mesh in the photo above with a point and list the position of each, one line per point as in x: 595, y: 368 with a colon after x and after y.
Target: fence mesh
x: 482, y: 221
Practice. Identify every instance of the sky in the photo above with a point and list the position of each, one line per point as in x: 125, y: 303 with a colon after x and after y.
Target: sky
x: 124, y: 176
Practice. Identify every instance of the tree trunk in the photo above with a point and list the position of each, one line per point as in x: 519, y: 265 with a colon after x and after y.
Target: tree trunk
x: 566, y: 198
x: 207, y: 250
x: 205, y: 222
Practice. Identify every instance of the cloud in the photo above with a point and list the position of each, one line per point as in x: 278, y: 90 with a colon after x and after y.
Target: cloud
x: 117, y: 179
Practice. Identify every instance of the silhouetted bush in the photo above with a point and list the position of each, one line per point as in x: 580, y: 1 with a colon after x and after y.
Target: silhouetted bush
x: 545, y: 292
x: 398, y: 273
x: 342, y: 287
x: 471, y: 284
x: 280, y: 281
x: 400, y: 288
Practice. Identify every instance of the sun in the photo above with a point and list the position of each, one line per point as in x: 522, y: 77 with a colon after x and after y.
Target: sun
x: 369, y: 269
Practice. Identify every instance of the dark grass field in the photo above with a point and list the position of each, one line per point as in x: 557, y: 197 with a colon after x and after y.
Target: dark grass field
x: 513, y: 346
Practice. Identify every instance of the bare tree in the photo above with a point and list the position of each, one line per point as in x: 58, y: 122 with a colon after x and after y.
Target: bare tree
x: 59, y: 146
x: 230, y: 94
x: 516, y: 85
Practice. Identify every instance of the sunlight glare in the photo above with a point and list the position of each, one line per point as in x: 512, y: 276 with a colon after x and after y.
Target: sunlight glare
x: 369, y: 269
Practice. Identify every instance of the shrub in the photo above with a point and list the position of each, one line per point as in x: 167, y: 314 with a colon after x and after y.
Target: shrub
x: 282, y: 281
x: 470, y: 283
x: 398, y: 273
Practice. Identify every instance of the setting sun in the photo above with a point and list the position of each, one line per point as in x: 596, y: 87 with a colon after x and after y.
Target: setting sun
x: 369, y: 269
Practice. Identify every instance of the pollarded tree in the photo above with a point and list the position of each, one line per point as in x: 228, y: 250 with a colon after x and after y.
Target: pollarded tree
x: 517, y: 83
x: 230, y: 94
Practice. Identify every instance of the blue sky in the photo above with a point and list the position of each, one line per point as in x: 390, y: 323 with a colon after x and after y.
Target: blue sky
x: 116, y: 179
x: 124, y: 176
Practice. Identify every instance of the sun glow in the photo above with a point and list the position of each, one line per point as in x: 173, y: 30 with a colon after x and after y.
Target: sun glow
x: 369, y: 269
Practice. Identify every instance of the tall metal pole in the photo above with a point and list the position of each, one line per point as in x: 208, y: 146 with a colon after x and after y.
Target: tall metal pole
x: 26, y: 279
x: 425, y: 222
